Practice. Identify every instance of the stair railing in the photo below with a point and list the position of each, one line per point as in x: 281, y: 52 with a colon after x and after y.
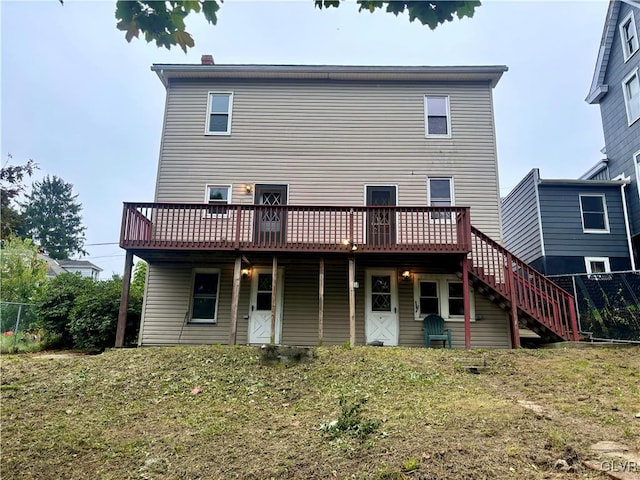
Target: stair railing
x: 532, y: 292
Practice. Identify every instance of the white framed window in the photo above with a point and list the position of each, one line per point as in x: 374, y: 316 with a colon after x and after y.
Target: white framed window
x: 204, y: 295
x: 440, y: 194
x: 628, y: 36
x: 441, y: 295
x: 593, y: 209
x: 631, y: 92
x: 597, y: 264
x: 219, y: 108
x: 437, y: 116
x: 218, y: 196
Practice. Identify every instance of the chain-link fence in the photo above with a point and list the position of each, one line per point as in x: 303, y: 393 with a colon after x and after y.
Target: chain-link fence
x: 608, y: 304
x: 18, y: 327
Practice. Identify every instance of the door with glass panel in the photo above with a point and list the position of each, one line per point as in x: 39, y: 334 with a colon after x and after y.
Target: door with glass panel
x: 381, y: 307
x: 260, y: 308
x: 270, y: 220
x: 381, y: 220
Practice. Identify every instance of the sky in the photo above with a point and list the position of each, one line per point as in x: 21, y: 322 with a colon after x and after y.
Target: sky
x: 82, y: 102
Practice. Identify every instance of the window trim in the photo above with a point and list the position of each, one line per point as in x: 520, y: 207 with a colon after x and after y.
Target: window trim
x: 426, y: 117
x: 442, y: 282
x: 200, y: 321
x: 630, y: 18
x: 451, y: 188
x: 207, y: 201
x: 625, y: 81
x: 605, y: 213
x: 208, y: 113
x: 605, y: 260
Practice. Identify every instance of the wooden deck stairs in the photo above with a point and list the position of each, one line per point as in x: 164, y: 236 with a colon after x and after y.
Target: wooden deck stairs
x: 532, y: 300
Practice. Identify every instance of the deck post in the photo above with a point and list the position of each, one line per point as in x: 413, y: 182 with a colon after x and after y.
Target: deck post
x: 352, y: 301
x: 515, y: 329
x: 321, y: 303
x: 466, y: 303
x: 124, y: 300
x: 235, y: 298
x: 274, y: 296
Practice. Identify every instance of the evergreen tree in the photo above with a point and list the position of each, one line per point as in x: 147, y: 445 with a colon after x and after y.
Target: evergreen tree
x: 52, y: 218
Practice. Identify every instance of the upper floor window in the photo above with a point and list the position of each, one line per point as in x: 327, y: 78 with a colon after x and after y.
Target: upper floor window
x: 594, y: 214
x: 440, y: 194
x: 437, y: 116
x: 631, y: 92
x: 219, y: 196
x: 219, y: 113
x: 628, y: 36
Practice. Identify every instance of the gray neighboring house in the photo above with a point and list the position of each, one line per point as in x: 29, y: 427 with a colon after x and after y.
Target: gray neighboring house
x: 616, y: 88
x: 83, y: 267
x: 568, y: 226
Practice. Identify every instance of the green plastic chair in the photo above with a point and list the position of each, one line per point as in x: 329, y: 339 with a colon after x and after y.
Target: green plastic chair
x: 434, y: 330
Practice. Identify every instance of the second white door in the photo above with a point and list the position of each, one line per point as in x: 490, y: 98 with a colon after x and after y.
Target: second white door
x: 381, y: 307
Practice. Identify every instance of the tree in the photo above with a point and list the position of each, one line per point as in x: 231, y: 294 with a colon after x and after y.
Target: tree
x: 52, y: 218
x: 139, y: 278
x: 11, y: 179
x: 163, y: 21
x: 22, y: 272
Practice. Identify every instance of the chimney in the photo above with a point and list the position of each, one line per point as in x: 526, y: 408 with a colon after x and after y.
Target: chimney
x: 206, y: 60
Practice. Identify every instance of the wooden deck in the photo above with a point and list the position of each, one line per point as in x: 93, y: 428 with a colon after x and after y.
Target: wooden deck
x: 295, y: 228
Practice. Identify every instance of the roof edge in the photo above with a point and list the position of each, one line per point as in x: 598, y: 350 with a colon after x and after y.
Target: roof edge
x: 491, y: 73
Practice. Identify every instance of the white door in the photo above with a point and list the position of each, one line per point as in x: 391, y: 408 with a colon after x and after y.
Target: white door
x: 381, y: 307
x: 260, y: 308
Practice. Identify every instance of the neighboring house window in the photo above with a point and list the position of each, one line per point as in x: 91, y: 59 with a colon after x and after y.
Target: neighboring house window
x: 440, y: 194
x: 629, y: 36
x: 440, y: 295
x: 437, y: 116
x: 204, y: 301
x: 219, y: 113
x: 631, y: 91
x: 597, y: 264
x: 594, y: 214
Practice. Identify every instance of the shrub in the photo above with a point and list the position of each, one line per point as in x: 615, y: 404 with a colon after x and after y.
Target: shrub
x: 83, y: 313
x: 55, y: 306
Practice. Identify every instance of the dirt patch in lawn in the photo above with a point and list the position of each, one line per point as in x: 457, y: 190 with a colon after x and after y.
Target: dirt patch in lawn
x: 385, y: 413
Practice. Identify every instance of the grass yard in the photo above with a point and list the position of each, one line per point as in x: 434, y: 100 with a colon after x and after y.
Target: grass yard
x: 214, y: 412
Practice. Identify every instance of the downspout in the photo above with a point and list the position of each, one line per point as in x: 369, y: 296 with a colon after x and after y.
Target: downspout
x: 626, y: 224
x: 536, y: 182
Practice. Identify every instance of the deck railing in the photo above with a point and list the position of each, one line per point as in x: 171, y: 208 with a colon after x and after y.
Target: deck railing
x: 296, y: 228
x: 532, y: 292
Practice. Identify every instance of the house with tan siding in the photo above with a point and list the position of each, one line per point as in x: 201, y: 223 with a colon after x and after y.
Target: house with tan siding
x: 306, y: 205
